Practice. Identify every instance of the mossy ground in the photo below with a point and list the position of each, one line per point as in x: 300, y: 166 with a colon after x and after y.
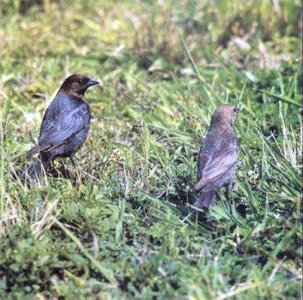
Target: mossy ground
x: 122, y: 230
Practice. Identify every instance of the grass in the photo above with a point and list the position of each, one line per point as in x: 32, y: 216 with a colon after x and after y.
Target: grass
x: 123, y: 231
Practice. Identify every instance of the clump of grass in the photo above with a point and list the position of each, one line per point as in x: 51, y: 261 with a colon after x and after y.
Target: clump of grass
x: 150, y: 41
x: 124, y: 230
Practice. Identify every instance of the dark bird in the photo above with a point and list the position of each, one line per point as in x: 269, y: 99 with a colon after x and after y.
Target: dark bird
x: 218, y: 156
x: 66, y: 121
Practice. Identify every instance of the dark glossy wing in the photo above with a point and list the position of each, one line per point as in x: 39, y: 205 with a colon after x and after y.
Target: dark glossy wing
x: 62, y: 119
x: 217, y: 156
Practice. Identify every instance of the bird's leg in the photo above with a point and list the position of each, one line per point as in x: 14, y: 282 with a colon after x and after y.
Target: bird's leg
x: 62, y: 164
x: 46, y: 160
x: 72, y: 159
x: 73, y: 175
x: 227, y: 193
x: 228, y: 189
x: 62, y: 168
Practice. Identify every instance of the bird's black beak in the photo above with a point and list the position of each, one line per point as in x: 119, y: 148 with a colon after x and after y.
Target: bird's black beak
x: 92, y: 82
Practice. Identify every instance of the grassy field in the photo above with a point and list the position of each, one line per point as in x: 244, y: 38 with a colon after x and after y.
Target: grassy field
x: 122, y: 231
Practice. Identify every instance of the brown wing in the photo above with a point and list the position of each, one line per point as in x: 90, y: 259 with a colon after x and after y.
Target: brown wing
x: 217, y: 156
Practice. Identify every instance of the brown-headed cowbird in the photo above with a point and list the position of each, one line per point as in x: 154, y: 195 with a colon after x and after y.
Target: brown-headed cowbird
x: 218, y: 155
x: 65, y: 124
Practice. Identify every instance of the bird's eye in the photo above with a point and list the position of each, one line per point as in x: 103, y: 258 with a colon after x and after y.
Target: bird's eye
x: 83, y: 80
x: 235, y: 109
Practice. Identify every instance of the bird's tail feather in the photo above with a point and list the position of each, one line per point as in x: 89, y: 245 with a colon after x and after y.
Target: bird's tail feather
x: 206, y: 199
x: 33, y: 151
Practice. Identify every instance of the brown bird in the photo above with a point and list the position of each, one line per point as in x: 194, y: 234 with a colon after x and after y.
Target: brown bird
x: 66, y: 121
x: 218, y: 156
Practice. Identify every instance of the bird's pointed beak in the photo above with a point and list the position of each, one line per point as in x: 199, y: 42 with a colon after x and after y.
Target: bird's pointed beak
x: 92, y: 81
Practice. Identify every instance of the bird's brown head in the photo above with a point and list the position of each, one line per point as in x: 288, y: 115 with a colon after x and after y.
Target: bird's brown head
x: 78, y: 84
x: 225, y: 114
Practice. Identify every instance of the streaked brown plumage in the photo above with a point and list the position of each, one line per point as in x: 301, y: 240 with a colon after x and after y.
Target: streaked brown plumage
x: 218, y: 155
